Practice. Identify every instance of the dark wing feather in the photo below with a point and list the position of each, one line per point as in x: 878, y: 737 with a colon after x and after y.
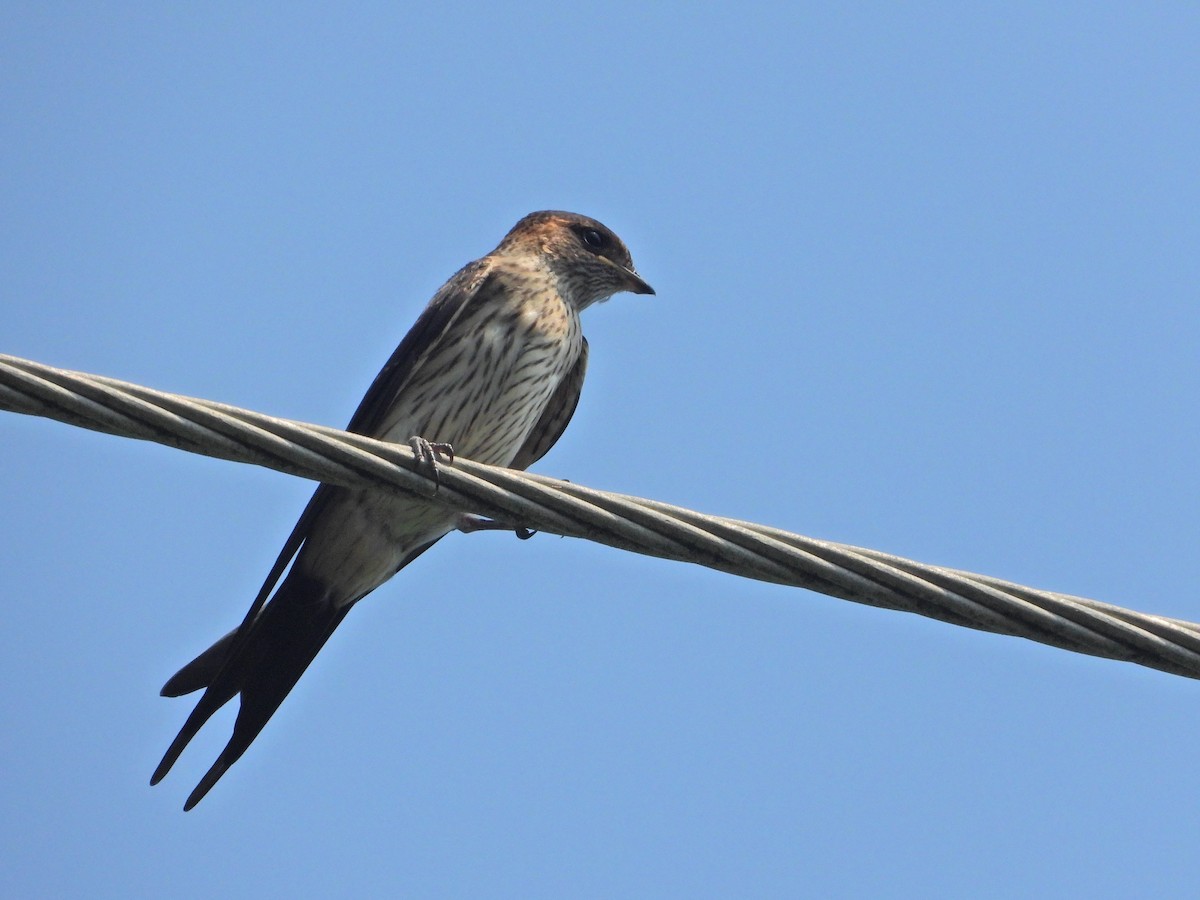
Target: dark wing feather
x: 446, y: 306
x: 222, y: 669
x: 558, y: 413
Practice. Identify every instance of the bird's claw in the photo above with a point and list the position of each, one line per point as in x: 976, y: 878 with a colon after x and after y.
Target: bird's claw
x: 469, y: 522
x: 429, y: 454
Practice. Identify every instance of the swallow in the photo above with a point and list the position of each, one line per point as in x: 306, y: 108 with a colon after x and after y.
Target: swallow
x: 491, y: 371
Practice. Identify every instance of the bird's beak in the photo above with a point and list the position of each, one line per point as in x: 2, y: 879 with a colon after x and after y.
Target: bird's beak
x: 635, y: 284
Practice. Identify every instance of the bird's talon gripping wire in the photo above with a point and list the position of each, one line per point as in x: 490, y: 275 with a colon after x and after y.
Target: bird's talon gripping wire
x: 469, y: 522
x: 429, y: 454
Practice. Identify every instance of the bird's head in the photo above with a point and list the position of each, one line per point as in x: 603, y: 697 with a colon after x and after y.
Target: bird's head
x: 590, y: 261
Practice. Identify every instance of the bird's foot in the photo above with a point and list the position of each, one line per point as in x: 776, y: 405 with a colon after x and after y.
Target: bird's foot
x: 469, y: 522
x: 429, y: 454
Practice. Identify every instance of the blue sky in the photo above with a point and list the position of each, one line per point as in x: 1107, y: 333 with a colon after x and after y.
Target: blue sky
x: 927, y: 282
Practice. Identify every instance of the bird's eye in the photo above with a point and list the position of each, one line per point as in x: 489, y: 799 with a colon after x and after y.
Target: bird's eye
x: 593, y: 238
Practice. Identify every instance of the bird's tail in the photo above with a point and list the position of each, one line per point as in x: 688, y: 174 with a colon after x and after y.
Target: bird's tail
x: 262, y: 660
x: 202, y: 670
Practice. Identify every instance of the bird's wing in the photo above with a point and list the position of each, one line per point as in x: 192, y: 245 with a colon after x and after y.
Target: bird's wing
x: 558, y: 412
x: 266, y: 655
x: 447, y: 305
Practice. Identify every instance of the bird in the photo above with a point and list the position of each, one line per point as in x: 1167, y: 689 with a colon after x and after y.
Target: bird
x: 491, y: 371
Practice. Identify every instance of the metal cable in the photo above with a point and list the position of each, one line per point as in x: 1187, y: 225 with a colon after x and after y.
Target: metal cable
x: 629, y: 523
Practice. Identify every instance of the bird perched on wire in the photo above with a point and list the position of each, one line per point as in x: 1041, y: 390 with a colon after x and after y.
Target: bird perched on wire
x: 491, y: 371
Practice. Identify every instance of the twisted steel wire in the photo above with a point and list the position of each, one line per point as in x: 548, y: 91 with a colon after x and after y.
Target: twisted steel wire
x: 629, y: 523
